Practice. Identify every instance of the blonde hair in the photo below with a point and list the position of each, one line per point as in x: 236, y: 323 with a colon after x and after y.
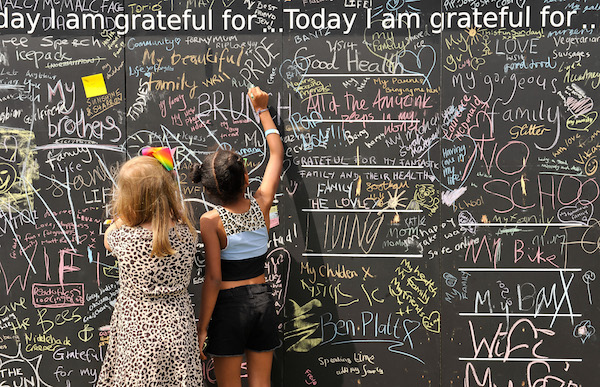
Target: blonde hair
x: 147, y: 192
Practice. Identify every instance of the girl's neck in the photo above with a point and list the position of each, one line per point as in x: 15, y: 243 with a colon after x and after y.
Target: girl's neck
x: 148, y: 225
x: 239, y: 206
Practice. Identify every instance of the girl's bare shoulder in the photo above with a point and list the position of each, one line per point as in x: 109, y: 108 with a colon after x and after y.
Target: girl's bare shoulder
x: 210, y: 218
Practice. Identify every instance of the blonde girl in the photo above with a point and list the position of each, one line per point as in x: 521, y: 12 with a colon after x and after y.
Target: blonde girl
x: 153, y: 338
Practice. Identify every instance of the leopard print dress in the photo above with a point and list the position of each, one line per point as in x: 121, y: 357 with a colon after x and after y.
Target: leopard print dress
x: 153, y: 337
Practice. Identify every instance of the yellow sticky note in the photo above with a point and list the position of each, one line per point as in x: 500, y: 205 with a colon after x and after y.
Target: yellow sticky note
x: 94, y: 85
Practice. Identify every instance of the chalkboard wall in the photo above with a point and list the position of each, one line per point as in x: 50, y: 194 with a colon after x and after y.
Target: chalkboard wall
x: 436, y: 219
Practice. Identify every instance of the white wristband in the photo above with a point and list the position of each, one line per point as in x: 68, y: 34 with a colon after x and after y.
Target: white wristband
x: 271, y: 131
x: 259, y: 111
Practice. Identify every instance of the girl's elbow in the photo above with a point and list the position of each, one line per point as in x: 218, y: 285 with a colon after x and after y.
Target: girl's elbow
x: 213, y: 281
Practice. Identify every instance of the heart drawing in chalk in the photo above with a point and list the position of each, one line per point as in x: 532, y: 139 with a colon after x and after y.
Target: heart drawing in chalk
x: 579, y: 106
x: 10, y: 149
x: 432, y: 322
x: 482, y: 127
x: 278, y: 275
x: 400, y: 57
x: 457, y: 160
x: 422, y: 62
x: 227, y: 3
x: 580, y: 213
x: 293, y: 72
x: 582, y: 122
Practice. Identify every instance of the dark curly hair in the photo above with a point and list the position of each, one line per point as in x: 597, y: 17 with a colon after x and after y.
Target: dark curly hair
x: 222, y: 174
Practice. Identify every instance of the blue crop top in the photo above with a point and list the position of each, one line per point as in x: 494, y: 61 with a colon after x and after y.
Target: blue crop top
x: 247, y: 243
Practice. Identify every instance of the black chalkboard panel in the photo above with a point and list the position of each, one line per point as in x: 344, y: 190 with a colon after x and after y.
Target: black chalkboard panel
x: 364, y: 303
x: 62, y: 145
x: 435, y: 224
x: 518, y: 280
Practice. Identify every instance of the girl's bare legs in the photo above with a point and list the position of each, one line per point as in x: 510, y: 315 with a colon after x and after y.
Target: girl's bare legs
x: 228, y: 371
x: 259, y: 368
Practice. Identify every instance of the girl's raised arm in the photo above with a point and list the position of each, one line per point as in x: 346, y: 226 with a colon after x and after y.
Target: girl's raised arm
x: 270, y: 182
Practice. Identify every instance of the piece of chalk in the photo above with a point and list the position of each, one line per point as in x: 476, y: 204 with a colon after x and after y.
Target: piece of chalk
x: 108, y: 221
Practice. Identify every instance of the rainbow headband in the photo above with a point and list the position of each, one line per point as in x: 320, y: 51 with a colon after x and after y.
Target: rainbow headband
x: 163, y: 154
